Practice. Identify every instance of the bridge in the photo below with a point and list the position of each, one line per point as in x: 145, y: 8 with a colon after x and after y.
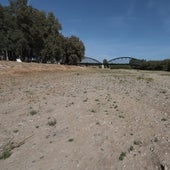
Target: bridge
x: 90, y: 61
x: 117, y: 60
x: 121, y: 60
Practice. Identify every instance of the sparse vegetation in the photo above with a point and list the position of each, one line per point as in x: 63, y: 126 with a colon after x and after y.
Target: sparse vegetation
x: 122, y: 156
x: 33, y: 112
x: 163, y: 119
x: 15, y: 131
x: 115, y: 107
x: 121, y: 116
x: 52, y: 121
x: 137, y: 142
x: 126, y: 137
x: 155, y: 139
x: 131, y: 148
x: 5, y: 154
x: 93, y: 111
x: 70, y: 140
x: 97, y: 123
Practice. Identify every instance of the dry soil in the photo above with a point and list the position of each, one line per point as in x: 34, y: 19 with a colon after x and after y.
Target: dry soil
x: 56, y: 117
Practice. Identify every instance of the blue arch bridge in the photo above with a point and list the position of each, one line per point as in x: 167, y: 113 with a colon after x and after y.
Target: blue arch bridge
x: 114, y: 61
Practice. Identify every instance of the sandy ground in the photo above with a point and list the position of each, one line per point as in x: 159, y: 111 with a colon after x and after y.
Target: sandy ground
x: 56, y: 117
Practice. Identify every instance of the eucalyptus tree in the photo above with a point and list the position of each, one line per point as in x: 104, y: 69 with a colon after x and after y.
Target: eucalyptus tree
x: 74, y: 50
x: 26, y: 31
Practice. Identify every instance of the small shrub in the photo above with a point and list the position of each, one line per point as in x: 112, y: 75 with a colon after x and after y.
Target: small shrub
x: 131, y: 148
x: 97, y: 123
x: 163, y: 91
x: 5, y: 154
x: 93, y: 111
x: 71, y: 140
x: 155, y: 139
x: 137, y: 142
x: 52, y: 122
x: 15, y: 131
x: 122, y: 156
x: 115, y: 107
x: 33, y: 112
x: 163, y: 119
x: 85, y: 100
x: 121, y: 116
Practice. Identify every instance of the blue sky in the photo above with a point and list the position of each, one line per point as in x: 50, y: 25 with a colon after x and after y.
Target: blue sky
x: 114, y: 28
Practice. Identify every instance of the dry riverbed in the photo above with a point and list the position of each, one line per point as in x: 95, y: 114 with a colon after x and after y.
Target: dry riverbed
x: 56, y: 117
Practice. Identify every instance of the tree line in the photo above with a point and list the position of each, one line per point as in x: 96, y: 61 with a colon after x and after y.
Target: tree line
x: 150, y: 65
x: 26, y: 33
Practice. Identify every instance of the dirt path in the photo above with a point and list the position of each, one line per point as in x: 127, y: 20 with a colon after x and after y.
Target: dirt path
x: 85, y: 119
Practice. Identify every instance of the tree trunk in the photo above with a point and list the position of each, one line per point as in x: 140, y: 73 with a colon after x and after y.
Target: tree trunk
x: 6, y: 51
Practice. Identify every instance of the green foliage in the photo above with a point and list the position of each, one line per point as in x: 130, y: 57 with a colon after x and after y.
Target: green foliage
x: 27, y: 32
x: 137, y: 142
x: 33, y: 112
x: 120, y: 66
x: 122, y: 156
x: 131, y: 148
x: 151, y: 65
x: 5, y: 154
x: 74, y: 50
x: 52, y: 122
x: 105, y: 63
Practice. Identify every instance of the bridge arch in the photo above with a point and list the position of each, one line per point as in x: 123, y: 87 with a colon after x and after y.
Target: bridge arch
x: 89, y: 60
x: 121, y: 60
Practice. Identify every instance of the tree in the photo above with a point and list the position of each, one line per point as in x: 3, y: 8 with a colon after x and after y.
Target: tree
x: 74, y: 50
x: 26, y: 32
x: 105, y: 63
x: 52, y: 40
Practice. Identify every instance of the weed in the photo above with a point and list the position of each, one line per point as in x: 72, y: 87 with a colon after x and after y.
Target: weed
x: 33, y: 112
x: 85, y: 100
x: 93, y: 111
x: 155, y: 139
x: 52, y: 122
x: 15, y: 131
x: 97, y: 123
x: 137, y: 142
x: 71, y: 140
x: 115, y: 106
x: 122, y: 156
x: 131, y: 148
x: 5, y: 154
x: 163, y: 119
x: 163, y: 91
x: 121, y: 116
